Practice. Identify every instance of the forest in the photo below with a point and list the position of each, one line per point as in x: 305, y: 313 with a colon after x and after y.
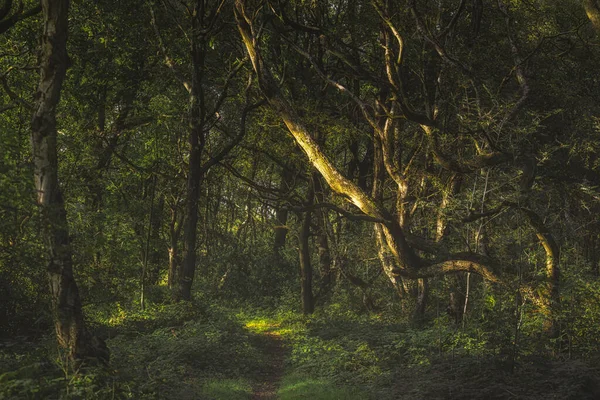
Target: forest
x: 300, y: 199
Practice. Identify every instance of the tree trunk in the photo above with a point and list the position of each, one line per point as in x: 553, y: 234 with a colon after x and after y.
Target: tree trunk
x: 281, y: 230
x: 69, y: 323
x: 385, y: 257
x: 551, y: 295
x: 456, y: 299
x: 156, y: 247
x: 592, y: 9
x: 326, y: 270
x: 406, y: 261
x: 196, y: 146
x: 422, y: 297
x: 308, y: 306
x: 174, y: 231
x: 281, y: 216
x: 188, y: 266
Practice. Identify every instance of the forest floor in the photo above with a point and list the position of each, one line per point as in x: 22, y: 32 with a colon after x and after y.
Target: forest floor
x: 205, y: 351
x: 270, y: 343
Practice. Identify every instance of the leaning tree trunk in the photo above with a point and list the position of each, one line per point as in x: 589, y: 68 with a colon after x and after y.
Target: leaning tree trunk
x: 70, y: 327
x: 406, y: 261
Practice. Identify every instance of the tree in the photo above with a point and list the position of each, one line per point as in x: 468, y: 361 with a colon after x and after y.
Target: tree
x: 424, y: 95
x: 71, y: 330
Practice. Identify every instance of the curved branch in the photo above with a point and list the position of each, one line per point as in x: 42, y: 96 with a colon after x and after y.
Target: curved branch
x: 441, y: 51
x: 518, y: 68
x: 288, y: 21
x: 318, y: 159
x: 7, y: 23
x: 476, y: 163
x: 13, y: 96
x: 466, y: 262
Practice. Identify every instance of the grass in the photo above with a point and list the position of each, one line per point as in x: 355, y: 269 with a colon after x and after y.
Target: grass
x: 297, y: 386
x: 189, y: 351
x: 227, y: 389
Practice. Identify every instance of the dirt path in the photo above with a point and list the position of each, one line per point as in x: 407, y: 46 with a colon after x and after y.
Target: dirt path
x: 270, y: 373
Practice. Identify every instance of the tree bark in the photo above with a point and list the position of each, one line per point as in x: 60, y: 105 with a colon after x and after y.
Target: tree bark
x: 306, y: 271
x: 406, y: 261
x: 71, y: 331
x: 326, y: 270
x: 281, y: 217
x: 196, y: 146
x: 551, y: 295
x: 422, y: 290
x: 174, y: 232
x: 592, y: 9
x: 156, y: 245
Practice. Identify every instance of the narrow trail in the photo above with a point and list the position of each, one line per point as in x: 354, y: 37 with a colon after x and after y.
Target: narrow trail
x: 269, y: 375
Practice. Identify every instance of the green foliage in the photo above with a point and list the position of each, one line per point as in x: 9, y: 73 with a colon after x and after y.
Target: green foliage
x: 175, y: 351
x: 297, y: 386
x: 223, y: 389
x: 372, y: 354
x: 123, y: 157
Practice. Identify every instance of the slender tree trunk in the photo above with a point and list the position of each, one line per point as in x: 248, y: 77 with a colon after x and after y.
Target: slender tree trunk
x: 325, y: 262
x: 306, y: 272
x: 196, y: 146
x: 69, y: 323
x: 146, y: 250
x: 156, y: 247
x: 174, y: 232
x: 281, y: 230
x: 385, y: 257
x: 281, y: 216
x: 422, y: 290
x: 456, y: 298
x: 188, y: 265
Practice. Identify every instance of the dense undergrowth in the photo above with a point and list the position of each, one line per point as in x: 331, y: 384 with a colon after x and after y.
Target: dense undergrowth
x: 168, y: 351
x: 383, y: 359
x: 202, y: 350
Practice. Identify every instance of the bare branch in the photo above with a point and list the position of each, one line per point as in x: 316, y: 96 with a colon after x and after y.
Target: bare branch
x: 518, y: 68
x: 168, y: 61
x: 285, y: 19
x: 13, y: 96
x: 476, y: 163
x: 7, y: 23
x: 464, y: 262
x: 435, y: 43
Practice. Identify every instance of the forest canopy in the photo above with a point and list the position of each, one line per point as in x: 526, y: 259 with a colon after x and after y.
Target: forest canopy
x: 405, y: 169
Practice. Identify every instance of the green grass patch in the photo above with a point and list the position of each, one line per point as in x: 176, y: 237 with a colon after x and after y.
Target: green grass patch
x: 227, y: 389
x: 299, y: 386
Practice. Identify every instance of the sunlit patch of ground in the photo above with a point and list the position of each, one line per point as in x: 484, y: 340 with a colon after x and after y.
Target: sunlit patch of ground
x: 262, y: 325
